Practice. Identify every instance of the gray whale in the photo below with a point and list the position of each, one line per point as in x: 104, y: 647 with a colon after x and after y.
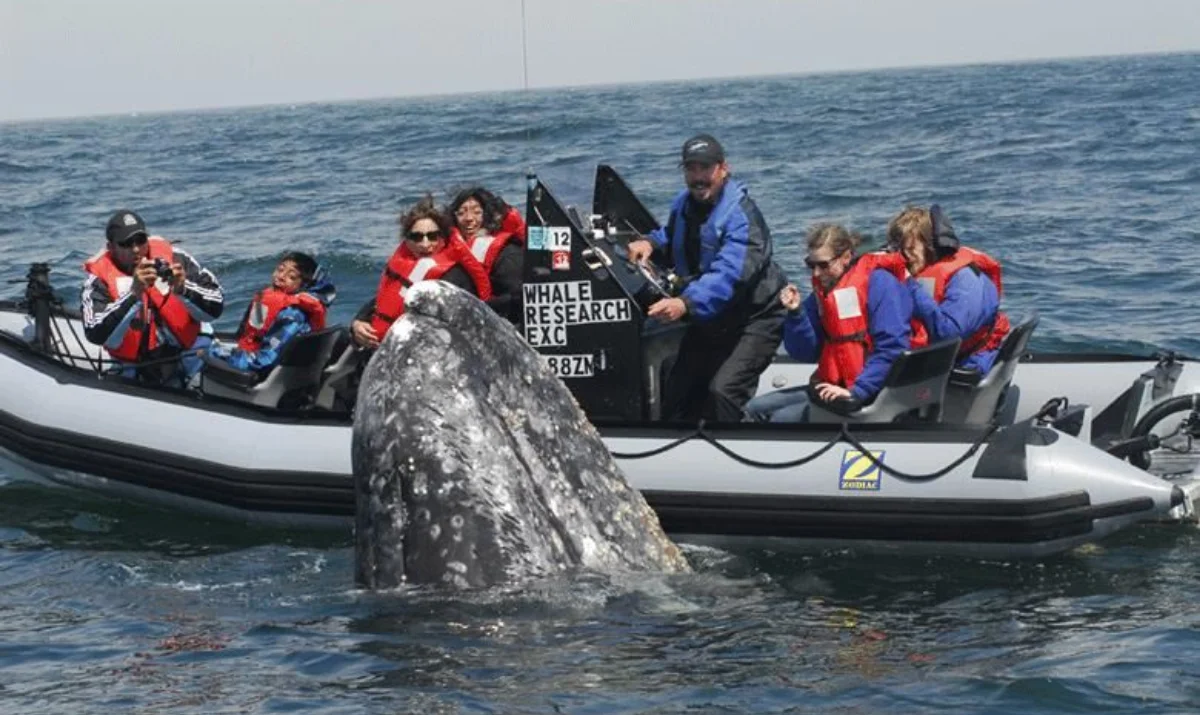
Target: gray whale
x: 474, y: 465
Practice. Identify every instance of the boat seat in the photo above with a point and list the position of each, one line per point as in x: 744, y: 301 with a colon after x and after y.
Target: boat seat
x: 339, y: 380
x: 290, y: 383
x: 915, y: 387
x: 972, y: 398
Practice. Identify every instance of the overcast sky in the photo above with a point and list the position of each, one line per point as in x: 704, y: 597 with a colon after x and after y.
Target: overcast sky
x: 83, y: 57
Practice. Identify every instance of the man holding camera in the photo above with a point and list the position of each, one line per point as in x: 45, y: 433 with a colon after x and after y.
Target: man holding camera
x: 145, y: 301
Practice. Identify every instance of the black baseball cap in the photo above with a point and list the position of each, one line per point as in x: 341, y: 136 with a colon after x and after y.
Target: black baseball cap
x: 124, y: 225
x: 703, y: 149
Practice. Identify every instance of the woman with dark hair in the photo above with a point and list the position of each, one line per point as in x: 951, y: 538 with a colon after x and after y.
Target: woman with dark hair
x: 427, y: 251
x: 495, y: 234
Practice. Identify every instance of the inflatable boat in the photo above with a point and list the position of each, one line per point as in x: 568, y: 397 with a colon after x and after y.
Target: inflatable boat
x: 1044, y: 453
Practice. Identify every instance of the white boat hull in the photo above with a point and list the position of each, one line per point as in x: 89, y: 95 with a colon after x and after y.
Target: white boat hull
x: 1035, y: 492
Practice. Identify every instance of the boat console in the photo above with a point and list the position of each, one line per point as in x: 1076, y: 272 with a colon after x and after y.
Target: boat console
x: 584, y: 303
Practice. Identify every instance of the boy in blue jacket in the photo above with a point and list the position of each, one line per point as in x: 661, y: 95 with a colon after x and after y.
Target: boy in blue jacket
x: 293, y: 304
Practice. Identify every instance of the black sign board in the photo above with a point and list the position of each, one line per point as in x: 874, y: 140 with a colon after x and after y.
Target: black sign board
x: 583, y: 302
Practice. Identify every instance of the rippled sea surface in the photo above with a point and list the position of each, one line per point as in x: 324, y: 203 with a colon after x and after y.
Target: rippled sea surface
x: 1082, y: 176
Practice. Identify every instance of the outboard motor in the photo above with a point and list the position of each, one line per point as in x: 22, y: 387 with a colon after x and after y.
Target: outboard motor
x: 584, y: 304
x: 1156, y: 422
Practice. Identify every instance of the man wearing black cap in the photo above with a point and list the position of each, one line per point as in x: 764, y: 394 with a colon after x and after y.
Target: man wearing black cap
x: 717, y: 238
x: 145, y: 301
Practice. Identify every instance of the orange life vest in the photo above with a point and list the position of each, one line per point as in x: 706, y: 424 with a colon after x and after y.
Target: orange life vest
x: 158, y: 309
x: 487, y: 248
x: 937, y: 276
x: 514, y: 223
x: 404, y: 268
x: 843, y: 310
x: 267, y: 305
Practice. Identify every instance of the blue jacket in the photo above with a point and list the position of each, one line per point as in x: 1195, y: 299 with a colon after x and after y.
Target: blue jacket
x: 289, y: 323
x: 889, y: 311
x: 736, y: 270
x: 970, y: 303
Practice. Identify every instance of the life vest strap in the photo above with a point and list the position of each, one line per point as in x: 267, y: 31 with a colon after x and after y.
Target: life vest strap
x: 397, y: 277
x: 859, y: 337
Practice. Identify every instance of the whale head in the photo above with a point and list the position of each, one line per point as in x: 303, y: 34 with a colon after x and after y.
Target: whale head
x: 475, y: 466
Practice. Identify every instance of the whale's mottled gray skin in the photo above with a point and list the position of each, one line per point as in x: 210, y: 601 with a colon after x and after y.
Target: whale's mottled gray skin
x: 474, y: 465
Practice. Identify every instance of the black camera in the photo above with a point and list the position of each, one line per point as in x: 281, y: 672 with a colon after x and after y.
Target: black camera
x: 163, y: 269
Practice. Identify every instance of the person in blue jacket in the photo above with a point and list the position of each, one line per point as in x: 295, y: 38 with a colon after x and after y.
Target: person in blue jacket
x: 293, y: 304
x: 854, y: 324
x: 955, y: 289
x: 718, y: 240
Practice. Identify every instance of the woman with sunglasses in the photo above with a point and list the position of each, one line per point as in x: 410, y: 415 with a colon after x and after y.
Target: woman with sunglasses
x: 949, y: 301
x: 427, y: 251
x: 495, y: 233
x: 854, y: 324
x: 143, y: 300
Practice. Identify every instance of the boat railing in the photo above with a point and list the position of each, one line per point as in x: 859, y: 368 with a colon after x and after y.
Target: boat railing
x: 56, y: 329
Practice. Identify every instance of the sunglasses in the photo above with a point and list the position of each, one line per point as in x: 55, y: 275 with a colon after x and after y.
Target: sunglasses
x: 818, y: 265
x: 134, y: 240
x: 419, y: 236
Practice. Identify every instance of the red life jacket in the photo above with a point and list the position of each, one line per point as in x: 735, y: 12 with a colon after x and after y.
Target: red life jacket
x: 157, y: 309
x: 265, y: 308
x: 514, y: 223
x: 843, y: 310
x: 487, y: 248
x: 937, y: 276
x: 404, y: 268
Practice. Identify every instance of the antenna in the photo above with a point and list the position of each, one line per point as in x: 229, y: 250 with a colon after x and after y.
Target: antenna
x: 525, y: 78
x: 524, y: 49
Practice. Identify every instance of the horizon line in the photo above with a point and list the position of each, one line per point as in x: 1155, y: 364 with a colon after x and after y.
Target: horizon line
x: 588, y: 85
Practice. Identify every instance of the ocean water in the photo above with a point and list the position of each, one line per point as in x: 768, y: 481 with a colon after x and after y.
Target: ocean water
x: 1083, y: 177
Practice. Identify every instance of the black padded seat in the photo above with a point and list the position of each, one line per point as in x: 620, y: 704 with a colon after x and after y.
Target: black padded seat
x: 219, y: 371
x: 339, y: 380
x: 972, y: 398
x: 297, y: 375
x: 915, y: 388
